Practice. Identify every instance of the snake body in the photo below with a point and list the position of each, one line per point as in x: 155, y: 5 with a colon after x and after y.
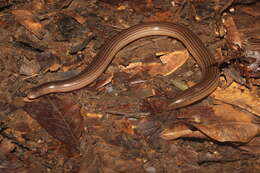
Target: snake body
x: 207, y: 63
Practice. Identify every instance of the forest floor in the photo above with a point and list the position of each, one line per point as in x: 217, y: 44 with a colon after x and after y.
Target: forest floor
x: 120, y: 122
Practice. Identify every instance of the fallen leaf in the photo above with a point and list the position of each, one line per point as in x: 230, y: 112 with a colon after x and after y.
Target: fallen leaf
x: 226, y: 112
x: 38, y: 5
x: 26, y: 18
x: 253, y: 146
x: 256, y: 82
x: 63, y: 4
x: 91, y: 162
x: 230, y: 131
x: 21, y: 123
x: 173, y: 61
x: 117, y: 164
x: 29, y: 68
x: 180, y: 131
x: 122, y: 7
x: 80, y: 19
x: 251, y: 11
x: 48, y: 61
x: 170, y: 63
x: 161, y: 16
x: 6, y: 146
x: 233, y: 36
x: 222, y: 123
x: 54, y: 67
x: 102, y: 81
x: 59, y: 116
x: 239, y: 96
x: 147, y: 128
x: 125, y: 126
x: 149, y: 3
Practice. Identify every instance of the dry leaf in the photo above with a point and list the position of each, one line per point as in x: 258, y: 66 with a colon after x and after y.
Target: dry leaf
x: 60, y: 117
x: 230, y: 131
x: 225, y: 124
x: 63, y: 4
x: 226, y: 112
x: 26, y: 19
x: 171, y: 62
x: 253, y: 146
x: 229, y: 125
x: 122, y: 7
x: 54, y: 67
x: 180, y: 131
x: 38, y: 5
x: 239, y: 96
x: 29, y: 68
x: 109, y: 152
x: 149, y: 3
x: 161, y: 16
x: 80, y: 19
x: 233, y: 36
x: 6, y: 146
x: 22, y: 123
x: 102, y: 81
x: 48, y: 61
x: 91, y: 162
x: 147, y: 128
x: 126, y: 127
x: 251, y: 11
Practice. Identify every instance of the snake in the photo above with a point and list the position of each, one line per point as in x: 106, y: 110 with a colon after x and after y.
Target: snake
x: 209, y: 70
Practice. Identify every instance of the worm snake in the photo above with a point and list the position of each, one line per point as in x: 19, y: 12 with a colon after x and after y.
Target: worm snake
x: 205, y: 60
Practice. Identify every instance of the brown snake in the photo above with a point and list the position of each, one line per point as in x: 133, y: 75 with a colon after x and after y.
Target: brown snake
x: 207, y: 63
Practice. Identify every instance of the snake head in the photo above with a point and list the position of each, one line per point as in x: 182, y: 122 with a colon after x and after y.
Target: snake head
x: 33, y: 94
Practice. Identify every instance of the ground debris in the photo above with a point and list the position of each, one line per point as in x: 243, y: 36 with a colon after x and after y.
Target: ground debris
x: 119, y: 123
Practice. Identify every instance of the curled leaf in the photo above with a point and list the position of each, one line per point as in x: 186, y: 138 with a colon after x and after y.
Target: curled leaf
x: 223, y: 124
